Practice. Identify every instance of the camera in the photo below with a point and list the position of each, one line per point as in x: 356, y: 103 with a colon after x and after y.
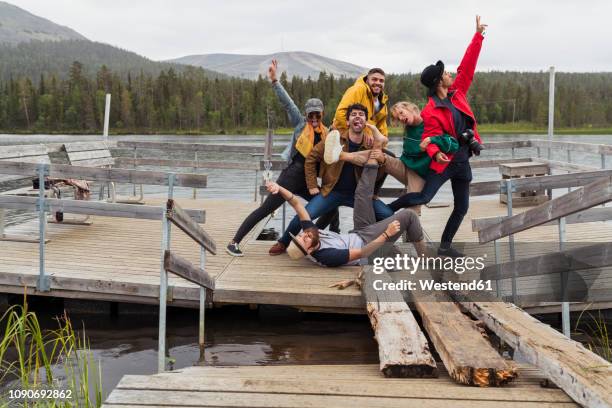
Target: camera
x: 467, y: 138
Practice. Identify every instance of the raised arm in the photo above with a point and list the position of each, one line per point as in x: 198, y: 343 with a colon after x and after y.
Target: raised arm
x: 465, y: 71
x: 301, y: 212
x: 295, y: 116
x: 357, y: 253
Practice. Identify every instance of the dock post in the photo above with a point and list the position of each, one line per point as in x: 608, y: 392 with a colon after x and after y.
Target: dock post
x: 256, y: 186
x: 1, y: 222
x: 42, y: 284
x: 134, y: 167
x: 106, y: 116
x: 195, y: 170
x: 511, y: 239
x: 565, y: 312
x: 551, y: 109
x: 163, y: 283
x: 202, y: 305
x: 284, y: 215
x: 497, y: 262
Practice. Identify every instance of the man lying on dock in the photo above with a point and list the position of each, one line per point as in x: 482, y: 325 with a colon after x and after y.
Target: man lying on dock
x: 332, y: 249
x: 338, y: 180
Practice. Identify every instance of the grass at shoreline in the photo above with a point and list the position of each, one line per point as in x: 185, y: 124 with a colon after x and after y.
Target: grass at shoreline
x: 498, y: 128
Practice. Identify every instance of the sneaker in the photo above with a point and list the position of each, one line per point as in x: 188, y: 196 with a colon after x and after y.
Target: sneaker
x: 450, y: 252
x: 277, y: 249
x: 333, y: 148
x: 233, y: 249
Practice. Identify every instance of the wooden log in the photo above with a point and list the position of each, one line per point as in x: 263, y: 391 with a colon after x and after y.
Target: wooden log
x: 192, y: 147
x: 181, y: 219
x: 467, y: 355
x: 589, y: 215
x: 183, y: 268
x: 144, y: 212
x: 583, y: 375
x: 595, y: 193
x: 402, y: 348
x: 585, y: 257
x: 97, y: 174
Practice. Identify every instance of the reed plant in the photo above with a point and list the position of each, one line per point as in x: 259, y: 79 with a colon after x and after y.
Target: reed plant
x: 596, y: 328
x: 56, y: 363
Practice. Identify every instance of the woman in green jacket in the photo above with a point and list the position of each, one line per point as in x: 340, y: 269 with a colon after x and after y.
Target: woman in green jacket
x: 412, y: 167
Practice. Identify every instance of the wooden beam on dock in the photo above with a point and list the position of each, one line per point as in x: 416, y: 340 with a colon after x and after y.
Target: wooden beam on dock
x: 575, y: 259
x: 468, y: 356
x: 143, y: 212
x: 590, y: 215
x: 130, y: 161
x: 181, y: 219
x: 64, y: 171
x: 595, y: 193
x: 402, y: 347
x: 192, y: 147
x: 183, y: 268
x: 583, y: 375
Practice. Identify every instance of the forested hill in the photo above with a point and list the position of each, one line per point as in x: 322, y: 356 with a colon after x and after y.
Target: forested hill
x: 18, y: 25
x: 35, y: 58
x: 191, y: 101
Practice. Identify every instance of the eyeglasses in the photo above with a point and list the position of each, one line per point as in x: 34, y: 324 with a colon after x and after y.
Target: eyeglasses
x: 314, y: 115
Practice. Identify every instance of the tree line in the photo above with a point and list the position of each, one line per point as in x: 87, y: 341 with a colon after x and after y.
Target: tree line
x: 192, y: 101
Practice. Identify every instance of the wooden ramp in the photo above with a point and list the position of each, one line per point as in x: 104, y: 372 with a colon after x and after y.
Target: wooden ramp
x: 322, y: 386
x: 118, y: 259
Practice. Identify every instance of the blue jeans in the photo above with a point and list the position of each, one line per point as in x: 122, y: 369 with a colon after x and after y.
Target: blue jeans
x: 460, y: 175
x: 320, y: 205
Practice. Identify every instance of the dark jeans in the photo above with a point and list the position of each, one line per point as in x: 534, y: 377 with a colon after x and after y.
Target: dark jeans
x: 292, y: 178
x: 364, y: 215
x: 460, y: 175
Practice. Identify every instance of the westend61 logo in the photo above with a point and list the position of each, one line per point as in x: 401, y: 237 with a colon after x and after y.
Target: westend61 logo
x: 412, y: 264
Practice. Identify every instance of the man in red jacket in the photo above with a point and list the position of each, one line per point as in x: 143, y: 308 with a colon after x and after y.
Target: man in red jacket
x: 448, y: 111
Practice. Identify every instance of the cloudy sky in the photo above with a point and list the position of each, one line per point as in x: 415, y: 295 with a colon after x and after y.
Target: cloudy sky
x: 398, y: 36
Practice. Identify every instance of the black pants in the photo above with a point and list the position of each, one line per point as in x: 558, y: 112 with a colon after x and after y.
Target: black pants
x: 293, y: 179
x: 460, y: 175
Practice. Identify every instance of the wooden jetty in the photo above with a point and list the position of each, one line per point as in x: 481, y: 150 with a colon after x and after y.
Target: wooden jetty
x: 120, y: 262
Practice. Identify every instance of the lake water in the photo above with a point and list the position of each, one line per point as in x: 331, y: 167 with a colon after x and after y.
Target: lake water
x: 127, y: 343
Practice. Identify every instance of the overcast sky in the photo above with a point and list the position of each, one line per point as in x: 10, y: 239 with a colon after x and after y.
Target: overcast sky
x: 398, y: 36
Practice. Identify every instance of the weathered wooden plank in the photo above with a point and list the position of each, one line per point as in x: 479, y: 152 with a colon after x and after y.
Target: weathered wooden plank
x: 486, y: 163
x: 192, y: 147
x: 509, y: 144
x: 101, y: 162
x: 343, y: 385
x: 589, y: 215
x: 595, y: 193
x: 74, y: 147
x: 573, y: 146
x: 183, y: 268
x: 276, y: 164
x: 129, y: 161
x: 585, y: 257
x: 144, y: 212
x: 182, y: 220
x: 524, y: 169
x: 582, y: 374
x: 573, y: 167
x: 89, y: 154
x: 402, y: 348
x: 97, y: 174
x: 21, y: 151
x: 468, y: 357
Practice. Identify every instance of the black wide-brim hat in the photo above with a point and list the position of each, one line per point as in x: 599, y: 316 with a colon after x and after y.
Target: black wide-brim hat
x: 432, y: 74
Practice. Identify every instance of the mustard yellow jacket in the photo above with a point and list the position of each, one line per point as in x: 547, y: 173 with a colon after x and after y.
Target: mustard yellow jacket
x: 361, y: 93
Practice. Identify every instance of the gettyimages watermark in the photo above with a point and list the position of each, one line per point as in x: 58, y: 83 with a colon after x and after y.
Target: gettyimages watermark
x: 533, y: 272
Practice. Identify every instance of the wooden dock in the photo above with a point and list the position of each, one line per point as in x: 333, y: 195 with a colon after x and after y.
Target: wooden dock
x: 117, y: 259
x: 323, y: 386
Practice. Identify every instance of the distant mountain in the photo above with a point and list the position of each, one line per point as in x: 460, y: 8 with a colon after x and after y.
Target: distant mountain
x: 32, y: 46
x: 17, y: 25
x: 297, y: 63
x: 31, y: 59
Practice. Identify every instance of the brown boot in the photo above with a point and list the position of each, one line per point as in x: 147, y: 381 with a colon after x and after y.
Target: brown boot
x: 277, y: 249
